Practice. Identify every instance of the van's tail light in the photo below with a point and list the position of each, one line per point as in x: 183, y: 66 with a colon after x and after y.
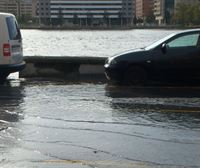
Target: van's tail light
x: 6, y: 50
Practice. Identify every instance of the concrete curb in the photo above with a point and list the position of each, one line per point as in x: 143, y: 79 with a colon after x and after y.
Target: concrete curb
x: 63, y: 67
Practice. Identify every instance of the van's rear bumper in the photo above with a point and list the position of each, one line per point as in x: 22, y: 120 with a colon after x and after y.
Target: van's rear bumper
x: 7, y: 69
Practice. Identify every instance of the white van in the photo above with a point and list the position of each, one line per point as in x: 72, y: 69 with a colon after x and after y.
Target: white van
x: 11, y: 54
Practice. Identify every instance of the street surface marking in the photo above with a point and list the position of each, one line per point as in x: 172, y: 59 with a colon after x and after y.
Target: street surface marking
x: 180, y: 110
x: 102, y: 163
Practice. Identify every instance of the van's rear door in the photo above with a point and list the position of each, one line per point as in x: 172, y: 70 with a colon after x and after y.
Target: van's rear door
x: 15, y: 41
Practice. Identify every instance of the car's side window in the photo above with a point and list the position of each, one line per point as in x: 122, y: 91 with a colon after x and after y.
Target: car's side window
x: 190, y: 40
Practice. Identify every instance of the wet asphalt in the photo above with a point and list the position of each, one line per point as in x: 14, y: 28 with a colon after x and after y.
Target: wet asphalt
x: 57, y: 124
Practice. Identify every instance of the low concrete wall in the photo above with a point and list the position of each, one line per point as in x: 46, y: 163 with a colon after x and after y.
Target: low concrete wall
x: 64, y: 67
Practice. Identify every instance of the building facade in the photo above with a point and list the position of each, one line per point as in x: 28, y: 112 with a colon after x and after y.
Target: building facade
x: 128, y: 10
x: 164, y: 11
x: 43, y: 10
x: 2, y: 5
x: 159, y: 11
x: 83, y: 8
x: 144, y: 8
x: 98, y: 11
x: 85, y: 11
x: 10, y: 6
x: 19, y: 8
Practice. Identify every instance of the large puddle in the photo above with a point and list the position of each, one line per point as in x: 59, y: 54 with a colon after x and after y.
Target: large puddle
x: 57, y: 120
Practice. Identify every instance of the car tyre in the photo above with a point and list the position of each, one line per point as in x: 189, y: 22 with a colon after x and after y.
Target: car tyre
x: 3, y: 77
x: 135, y: 75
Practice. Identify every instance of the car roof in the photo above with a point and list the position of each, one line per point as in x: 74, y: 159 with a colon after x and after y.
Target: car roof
x: 5, y: 14
x: 188, y: 31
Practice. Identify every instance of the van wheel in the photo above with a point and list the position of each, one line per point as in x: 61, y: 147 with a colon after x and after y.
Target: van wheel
x: 3, y: 77
x: 135, y: 75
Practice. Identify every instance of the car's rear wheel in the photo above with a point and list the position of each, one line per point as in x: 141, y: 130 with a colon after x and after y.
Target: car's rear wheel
x: 135, y: 75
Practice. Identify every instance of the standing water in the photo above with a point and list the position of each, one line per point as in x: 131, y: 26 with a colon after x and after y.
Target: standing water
x: 57, y: 124
x: 98, y: 43
x: 83, y: 125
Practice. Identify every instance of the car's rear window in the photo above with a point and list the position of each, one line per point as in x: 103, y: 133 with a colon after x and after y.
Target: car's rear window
x: 13, y: 29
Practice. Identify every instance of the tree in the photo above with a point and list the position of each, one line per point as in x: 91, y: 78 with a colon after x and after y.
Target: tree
x: 24, y: 18
x: 120, y: 15
x: 196, y: 15
x: 89, y: 18
x: 150, y: 18
x: 187, y: 14
x: 60, y: 17
x: 106, y: 17
x: 134, y: 20
x: 18, y: 2
x: 75, y: 18
x: 140, y: 20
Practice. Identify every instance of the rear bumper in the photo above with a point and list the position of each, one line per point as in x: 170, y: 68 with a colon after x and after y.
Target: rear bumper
x: 7, y: 69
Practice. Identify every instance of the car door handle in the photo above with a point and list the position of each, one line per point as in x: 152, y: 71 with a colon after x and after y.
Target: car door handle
x: 148, y: 61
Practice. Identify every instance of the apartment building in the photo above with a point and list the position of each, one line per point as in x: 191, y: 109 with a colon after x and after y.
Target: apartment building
x: 129, y: 10
x: 144, y: 8
x: 2, y: 5
x: 69, y: 10
x: 10, y: 6
x: 19, y: 7
x: 83, y: 8
x: 159, y: 10
x: 164, y: 10
x: 43, y: 9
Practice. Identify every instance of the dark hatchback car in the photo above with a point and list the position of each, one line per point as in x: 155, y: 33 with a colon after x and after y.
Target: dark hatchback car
x: 175, y: 57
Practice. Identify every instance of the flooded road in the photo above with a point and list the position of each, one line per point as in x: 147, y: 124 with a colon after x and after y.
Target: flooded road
x: 95, y: 125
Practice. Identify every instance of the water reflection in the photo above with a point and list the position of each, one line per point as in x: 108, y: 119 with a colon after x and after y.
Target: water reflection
x: 171, y: 107
x: 153, y: 92
x: 11, y: 96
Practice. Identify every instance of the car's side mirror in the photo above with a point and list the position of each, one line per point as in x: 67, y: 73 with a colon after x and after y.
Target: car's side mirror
x: 164, y: 48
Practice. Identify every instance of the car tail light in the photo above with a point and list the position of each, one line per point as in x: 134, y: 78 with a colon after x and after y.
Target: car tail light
x: 6, y: 50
